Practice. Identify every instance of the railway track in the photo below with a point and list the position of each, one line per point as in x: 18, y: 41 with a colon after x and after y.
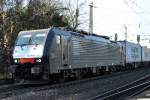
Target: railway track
x: 128, y: 90
x: 14, y: 89
x: 17, y: 89
x: 6, y: 81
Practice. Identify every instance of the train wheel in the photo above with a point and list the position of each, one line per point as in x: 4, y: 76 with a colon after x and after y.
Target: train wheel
x: 61, y: 78
x: 56, y: 78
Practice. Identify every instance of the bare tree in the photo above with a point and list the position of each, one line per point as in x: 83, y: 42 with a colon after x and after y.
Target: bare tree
x: 77, y: 13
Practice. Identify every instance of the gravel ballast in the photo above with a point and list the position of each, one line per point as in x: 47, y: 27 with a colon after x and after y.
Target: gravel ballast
x: 84, y: 90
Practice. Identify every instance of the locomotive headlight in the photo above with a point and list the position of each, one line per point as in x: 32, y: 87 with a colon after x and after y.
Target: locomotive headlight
x: 38, y: 60
x: 16, y: 60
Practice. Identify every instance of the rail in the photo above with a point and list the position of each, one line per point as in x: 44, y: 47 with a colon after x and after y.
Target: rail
x: 131, y: 88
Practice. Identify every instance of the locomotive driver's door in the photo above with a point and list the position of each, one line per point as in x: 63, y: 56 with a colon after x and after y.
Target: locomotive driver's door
x: 65, y: 50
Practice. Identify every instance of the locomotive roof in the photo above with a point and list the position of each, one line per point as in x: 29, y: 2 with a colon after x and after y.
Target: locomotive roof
x: 80, y: 33
x: 85, y: 33
x: 33, y: 31
x: 128, y: 42
x: 93, y: 37
x: 77, y: 32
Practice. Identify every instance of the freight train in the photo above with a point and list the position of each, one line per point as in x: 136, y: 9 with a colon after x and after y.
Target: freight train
x: 56, y: 53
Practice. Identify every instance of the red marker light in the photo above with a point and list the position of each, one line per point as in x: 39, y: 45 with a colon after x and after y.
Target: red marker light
x: 27, y: 60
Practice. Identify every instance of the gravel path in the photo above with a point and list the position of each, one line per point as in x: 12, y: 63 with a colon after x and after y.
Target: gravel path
x: 82, y: 91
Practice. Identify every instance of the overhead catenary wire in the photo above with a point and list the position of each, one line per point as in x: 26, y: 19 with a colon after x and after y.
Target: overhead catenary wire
x: 140, y: 7
x: 139, y: 15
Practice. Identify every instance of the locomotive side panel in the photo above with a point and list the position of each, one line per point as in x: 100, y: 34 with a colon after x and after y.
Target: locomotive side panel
x: 90, y: 53
x: 55, y: 54
x: 60, y: 52
x: 145, y: 54
x: 133, y: 52
x: 115, y: 54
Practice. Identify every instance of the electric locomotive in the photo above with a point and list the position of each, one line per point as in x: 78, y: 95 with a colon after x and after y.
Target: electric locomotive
x: 55, y: 53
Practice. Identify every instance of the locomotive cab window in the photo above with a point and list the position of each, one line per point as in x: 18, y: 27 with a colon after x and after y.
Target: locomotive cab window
x: 23, y: 39
x: 31, y: 39
x: 37, y: 38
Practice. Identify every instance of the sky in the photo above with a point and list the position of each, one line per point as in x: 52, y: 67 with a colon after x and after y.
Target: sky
x: 110, y: 17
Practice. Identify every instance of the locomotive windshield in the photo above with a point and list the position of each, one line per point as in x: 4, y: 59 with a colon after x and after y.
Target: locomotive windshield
x: 31, y: 39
